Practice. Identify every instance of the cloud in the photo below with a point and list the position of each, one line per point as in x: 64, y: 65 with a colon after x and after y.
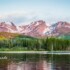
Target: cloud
x: 22, y: 18
x: 19, y: 18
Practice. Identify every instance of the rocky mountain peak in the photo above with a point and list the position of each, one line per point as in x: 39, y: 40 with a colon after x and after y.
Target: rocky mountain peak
x: 37, y: 28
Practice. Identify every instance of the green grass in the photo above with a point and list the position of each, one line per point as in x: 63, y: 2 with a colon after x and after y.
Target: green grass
x: 19, y: 49
x: 13, y: 49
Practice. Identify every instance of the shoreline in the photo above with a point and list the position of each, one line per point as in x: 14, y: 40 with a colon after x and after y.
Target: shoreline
x: 35, y: 52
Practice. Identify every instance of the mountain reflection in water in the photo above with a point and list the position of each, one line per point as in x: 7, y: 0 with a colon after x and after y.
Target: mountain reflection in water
x: 42, y: 65
x: 35, y: 62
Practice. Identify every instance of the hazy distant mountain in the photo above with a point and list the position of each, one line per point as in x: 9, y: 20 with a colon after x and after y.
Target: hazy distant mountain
x: 37, y: 28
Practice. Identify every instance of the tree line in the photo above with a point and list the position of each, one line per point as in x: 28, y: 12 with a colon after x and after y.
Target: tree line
x: 46, y: 44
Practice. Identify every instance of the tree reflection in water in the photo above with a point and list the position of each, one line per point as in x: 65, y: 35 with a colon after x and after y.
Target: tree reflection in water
x: 35, y: 62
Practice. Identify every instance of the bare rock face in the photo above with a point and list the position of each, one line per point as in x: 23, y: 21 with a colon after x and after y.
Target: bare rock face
x: 34, y: 29
x: 61, y: 28
x: 7, y: 27
x: 37, y: 28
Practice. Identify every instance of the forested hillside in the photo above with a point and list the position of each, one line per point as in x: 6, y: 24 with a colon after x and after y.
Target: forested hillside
x: 9, y: 41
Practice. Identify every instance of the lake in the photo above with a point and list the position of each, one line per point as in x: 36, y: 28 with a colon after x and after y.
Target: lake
x: 20, y: 61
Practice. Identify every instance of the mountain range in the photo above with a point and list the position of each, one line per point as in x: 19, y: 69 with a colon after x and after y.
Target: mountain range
x: 37, y: 29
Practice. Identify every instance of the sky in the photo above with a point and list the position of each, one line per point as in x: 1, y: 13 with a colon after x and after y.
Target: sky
x: 26, y: 11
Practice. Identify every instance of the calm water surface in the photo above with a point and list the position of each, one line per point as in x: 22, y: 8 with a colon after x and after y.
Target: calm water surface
x: 34, y: 62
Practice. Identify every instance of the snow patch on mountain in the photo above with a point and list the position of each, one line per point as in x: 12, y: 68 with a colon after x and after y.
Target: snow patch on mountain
x: 37, y: 28
x: 8, y: 23
x: 37, y: 24
x: 46, y: 30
